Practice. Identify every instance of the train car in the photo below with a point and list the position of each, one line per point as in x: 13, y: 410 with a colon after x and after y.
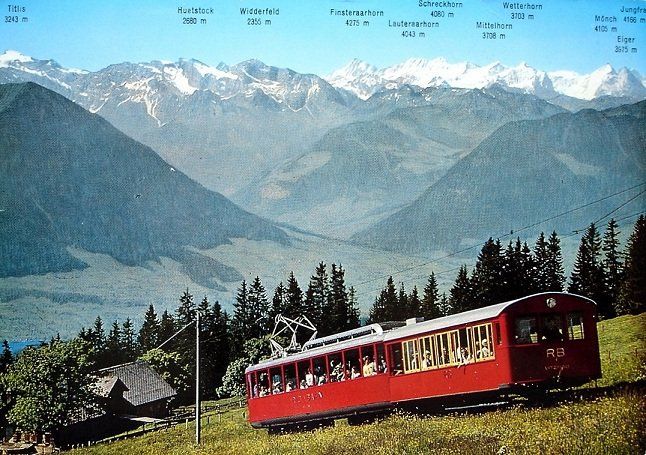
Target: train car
x: 533, y: 343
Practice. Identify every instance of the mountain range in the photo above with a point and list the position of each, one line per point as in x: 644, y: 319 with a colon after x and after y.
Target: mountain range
x: 524, y: 172
x: 365, y: 80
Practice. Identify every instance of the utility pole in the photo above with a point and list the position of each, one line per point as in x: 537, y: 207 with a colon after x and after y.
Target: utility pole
x: 197, y: 378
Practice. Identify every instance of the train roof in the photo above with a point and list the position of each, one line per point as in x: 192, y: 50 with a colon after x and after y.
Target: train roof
x: 384, y: 332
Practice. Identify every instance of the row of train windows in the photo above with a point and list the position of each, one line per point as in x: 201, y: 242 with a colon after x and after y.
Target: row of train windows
x: 452, y: 348
x: 341, y: 366
x: 548, y: 327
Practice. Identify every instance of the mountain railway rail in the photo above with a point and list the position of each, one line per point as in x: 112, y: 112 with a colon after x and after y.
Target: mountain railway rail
x: 520, y: 348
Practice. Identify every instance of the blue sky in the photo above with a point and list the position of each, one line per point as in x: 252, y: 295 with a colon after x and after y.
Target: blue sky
x: 305, y: 37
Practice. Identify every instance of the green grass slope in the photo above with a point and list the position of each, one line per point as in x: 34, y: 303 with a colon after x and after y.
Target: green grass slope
x: 615, y: 424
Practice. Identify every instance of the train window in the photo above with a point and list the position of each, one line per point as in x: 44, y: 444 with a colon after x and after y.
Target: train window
x: 276, y: 376
x: 254, y: 387
x: 336, y: 367
x: 396, y: 361
x: 483, y: 342
x: 352, y: 367
x: 411, y: 356
x: 443, y: 349
x: 305, y: 375
x: 525, y: 330
x: 321, y: 375
x: 551, y: 328
x: 498, y: 335
x: 290, y: 377
x: 575, y: 326
x: 380, y: 364
x: 426, y: 351
x: 264, y: 385
x: 368, y: 365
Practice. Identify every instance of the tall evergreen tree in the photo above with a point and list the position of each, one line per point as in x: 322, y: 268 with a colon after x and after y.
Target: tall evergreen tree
x: 278, y: 303
x: 632, y: 295
x: 98, y: 344
x: 354, y: 319
x: 316, y: 295
x: 554, y: 271
x: 214, y: 345
x: 444, y: 305
x: 6, y: 358
x: 487, y: 279
x: 166, y: 328
x: 148, y: 337
x: 294, y: 298
x: 241, y: 322
x: 587, y: 275
x: 385, y: 306
x: 541, y: 267
x: 339, y: 301
x: 612, y: 266
x: 403, y: 309
x: 414, y: 303
x: 128, y: 341
x: 429, y: 306
x: 461, y: 294
x: 114, y: 346
x: 184, y: 342
x: 258, y: 310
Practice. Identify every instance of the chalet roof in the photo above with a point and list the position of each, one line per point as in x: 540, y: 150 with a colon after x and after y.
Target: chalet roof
x: 107, y: 384
x: 144, y: 385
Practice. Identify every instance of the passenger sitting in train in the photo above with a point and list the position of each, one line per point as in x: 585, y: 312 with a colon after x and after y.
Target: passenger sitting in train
x: 462, y: 356
x: 277, y: 386
x: 309, y: 378
x: 320, y: 375
x: 289, y: 386
x: 427, y: 360
x: 303, y: 384
x: 382, y: 367
x: 368, y: 366
x: 483, y: 352
x: 264, y: 391
x: 354, y: 373
x: 336, y: 371
x: 551, y: 330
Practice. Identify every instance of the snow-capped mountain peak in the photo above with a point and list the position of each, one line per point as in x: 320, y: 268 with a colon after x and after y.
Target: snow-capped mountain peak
x: 11, y: 56
x: 364, y: 80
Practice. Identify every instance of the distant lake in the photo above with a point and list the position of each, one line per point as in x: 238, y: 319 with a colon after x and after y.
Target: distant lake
x: 17, y: 346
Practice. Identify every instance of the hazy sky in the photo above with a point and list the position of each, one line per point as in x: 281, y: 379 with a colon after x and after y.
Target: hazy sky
x: 304, y: 35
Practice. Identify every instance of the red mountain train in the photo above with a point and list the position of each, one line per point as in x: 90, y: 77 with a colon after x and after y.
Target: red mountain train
x: 536, y: 342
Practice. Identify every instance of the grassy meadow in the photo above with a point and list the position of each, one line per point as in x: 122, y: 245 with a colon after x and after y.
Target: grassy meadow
x: 612, y: 424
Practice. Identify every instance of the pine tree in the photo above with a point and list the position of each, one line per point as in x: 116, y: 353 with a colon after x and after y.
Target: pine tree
x: 632, y: 296
x: 98, y: 355
x: 294, y: 298
x: 429, y: 305
x: 541, y: 264
x: 114, y: 347
x: 354, y: 319
x: 258, y: 310
x: 214, y: 344
x: 339, y: 301
x: 166, y: 328
x: 6, y: 358
x: 278, y: 303
x: 414, y: 303
x: 461, y: 294
x: 391, y: 301
x: 241, y: 322
x: 554, y: 272
x: 587, y: 275
x: 316, y: 295
x: 612, y: 267
x: 403, y: 309
x: 148, y: 337
x: 128, y: 341
x: 377, y: 312
x: 444, y: 306
x: 487, y: 279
